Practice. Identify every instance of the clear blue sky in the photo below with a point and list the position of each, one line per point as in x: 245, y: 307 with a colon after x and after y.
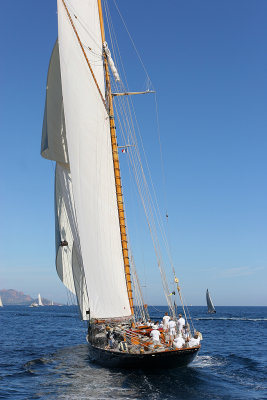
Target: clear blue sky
x: 207, y: 60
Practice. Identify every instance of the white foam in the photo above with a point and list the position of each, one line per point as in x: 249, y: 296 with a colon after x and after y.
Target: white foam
x: 206, y: 361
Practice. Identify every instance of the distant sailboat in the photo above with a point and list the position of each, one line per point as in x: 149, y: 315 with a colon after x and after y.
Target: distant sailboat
x: 39, y: 300
x: 211, y: 308
x: 1, y: 304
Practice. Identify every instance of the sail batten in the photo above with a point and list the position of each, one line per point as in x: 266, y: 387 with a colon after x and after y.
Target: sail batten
x: 91, y: 165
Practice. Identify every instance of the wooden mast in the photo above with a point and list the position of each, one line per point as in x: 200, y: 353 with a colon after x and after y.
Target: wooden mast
x: 116, y: 166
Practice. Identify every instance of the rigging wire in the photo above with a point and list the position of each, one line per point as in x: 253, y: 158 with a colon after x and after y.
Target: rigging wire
x: 124, y: 110
x: 139, y: 174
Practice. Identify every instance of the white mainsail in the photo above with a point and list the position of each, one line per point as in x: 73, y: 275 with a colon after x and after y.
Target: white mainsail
x: 86, y: 207
x: 40, y: 300
x: 1, y: 304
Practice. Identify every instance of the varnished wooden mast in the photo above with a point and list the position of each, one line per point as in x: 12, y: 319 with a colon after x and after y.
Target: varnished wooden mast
x: 117, y: 170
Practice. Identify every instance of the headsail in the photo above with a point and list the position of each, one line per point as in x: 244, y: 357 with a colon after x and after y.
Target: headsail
x: 1, y: 304
x: 211, y: 308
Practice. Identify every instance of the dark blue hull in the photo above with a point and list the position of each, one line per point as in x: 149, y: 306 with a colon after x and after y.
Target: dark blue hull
x: 166, y: 359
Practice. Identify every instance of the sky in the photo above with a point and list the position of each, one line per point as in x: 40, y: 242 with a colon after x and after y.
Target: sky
x: 207, y: 61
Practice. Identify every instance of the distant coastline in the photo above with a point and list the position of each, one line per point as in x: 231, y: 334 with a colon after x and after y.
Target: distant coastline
x: 15, y: 298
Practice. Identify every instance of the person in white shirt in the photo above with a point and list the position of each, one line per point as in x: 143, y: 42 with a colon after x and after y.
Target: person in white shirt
x: 155, y: 334
x: 180, y: 323
x: 194, y: 341
x: 172, y: 330
x: 178, y: 342
x: 166, y: 319
x: 185, y: 332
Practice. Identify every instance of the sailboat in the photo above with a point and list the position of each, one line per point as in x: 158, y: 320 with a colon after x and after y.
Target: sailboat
x: 34, y: 304
x: 93, y: 257
x: 1, y: 303
x: 40, y: 303
x: 211, y: 308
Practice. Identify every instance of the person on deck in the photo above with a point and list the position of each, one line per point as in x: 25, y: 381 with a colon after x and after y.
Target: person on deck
x: 172, y: 331
x: 155, y: 334
x: 194, y: 341
x: 186, y: 332
x: 178, y: 342
x: 180, y: 323
x: 166, y: 319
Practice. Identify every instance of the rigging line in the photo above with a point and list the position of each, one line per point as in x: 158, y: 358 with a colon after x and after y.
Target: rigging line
x: 132, y: 187
x: 164, y: 234
x: 157, y: 213
x: 132, y: 123
x: 134, y: 46
x: 145, y: 188
x: 153, y: 236
x: 191, y: 319
x: 84, y: 26
x: 161, y: 153
x: 157, y: 309
x: 85, y: 55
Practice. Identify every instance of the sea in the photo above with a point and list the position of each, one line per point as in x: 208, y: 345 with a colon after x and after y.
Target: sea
x: 44, y: 355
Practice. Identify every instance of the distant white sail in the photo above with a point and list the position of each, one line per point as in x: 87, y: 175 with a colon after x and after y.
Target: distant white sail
x: 211, y: 308
x: 1, y: 304
x: 39, y: 300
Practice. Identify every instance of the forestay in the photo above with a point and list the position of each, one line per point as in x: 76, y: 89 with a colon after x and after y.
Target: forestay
x: 90, y: 159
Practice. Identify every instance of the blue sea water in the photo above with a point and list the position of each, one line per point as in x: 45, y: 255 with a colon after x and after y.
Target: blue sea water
x: 44, y: 355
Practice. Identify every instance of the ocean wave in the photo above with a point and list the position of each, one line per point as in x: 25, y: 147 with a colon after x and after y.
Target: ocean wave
x: 207, y: 361
x: 37, y: 361
x: 230, y: 319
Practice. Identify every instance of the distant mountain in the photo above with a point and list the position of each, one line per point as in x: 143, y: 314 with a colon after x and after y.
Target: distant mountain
x: 13, y: 297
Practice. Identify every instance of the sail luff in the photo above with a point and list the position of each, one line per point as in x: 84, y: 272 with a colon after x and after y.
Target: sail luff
x: 116, y: 166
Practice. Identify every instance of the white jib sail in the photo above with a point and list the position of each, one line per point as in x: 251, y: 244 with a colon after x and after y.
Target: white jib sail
x: 1, y: 304
x: 90, y: 158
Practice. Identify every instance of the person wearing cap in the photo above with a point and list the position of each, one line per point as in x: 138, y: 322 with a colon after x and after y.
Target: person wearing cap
x: 155, y: 334
x: 180, y: 323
